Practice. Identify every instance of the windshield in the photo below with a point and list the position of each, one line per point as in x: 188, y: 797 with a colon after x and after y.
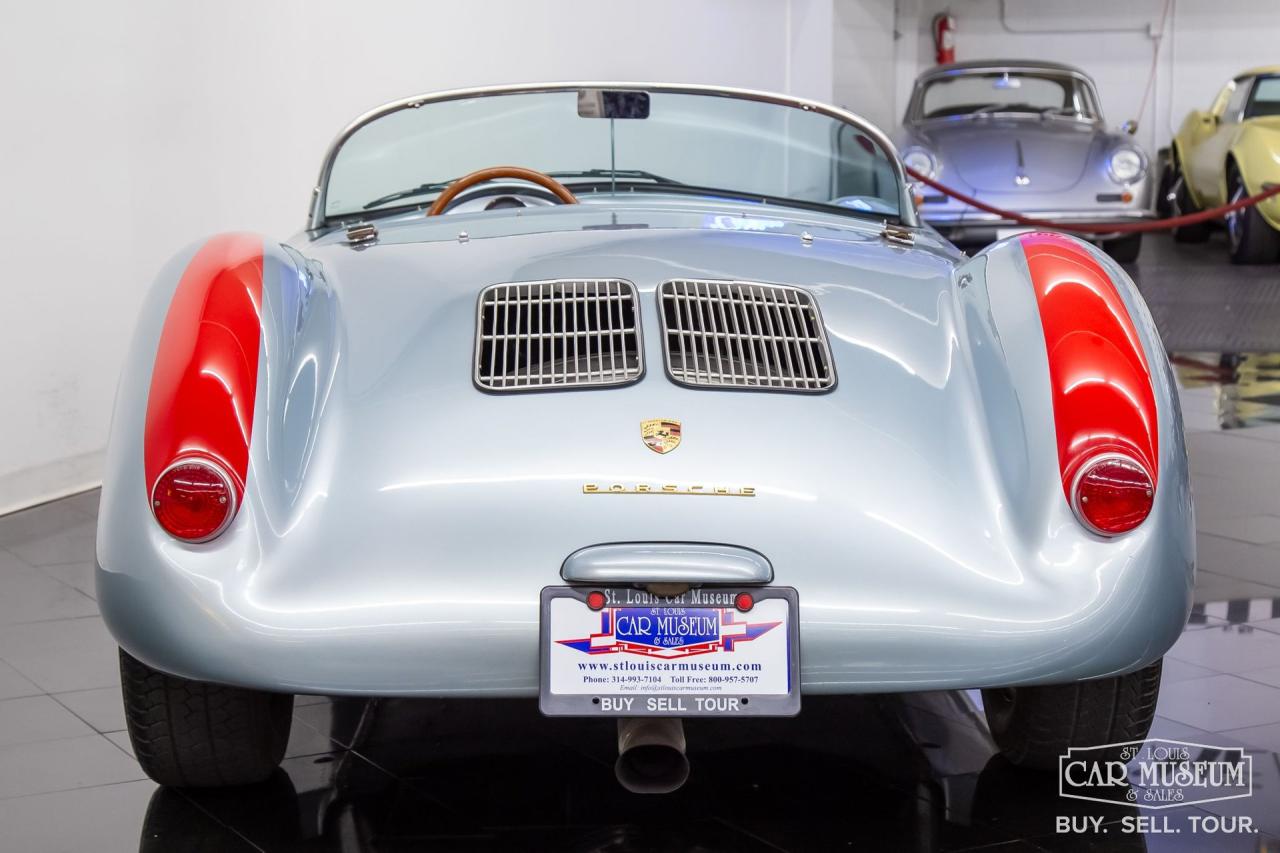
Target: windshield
x: 1265, y: 100
x: 712, y: 146
x: 970, y: 93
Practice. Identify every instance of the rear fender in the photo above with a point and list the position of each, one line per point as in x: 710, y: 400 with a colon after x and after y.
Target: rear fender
x: 1002, y: 317
x: 232, y: 359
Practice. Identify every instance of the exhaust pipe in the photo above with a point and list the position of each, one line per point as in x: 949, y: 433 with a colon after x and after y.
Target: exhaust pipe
x: 651, y: 757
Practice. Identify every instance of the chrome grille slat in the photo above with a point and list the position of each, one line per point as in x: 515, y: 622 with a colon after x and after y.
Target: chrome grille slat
x: 612, y: 325
x: 709, y: 330
x: 506, y: 314
x: 564, y: 373
x: 751, y: 318
x: 796, y: 316
x: 554, y: 334
x: 791, y: 345
x: 599, y: 337
x: 535, y: 336
x: 519, y: 306
x: 780, y: 352
x: 550, y: 336
x: 724, y: 323
x: 679, y: 332
x: 736, y: 334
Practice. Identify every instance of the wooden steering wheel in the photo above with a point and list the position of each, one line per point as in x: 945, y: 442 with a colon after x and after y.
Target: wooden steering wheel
x: 479, y: 176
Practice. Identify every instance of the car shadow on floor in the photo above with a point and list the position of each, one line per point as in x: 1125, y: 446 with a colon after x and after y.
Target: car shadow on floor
x: 911, y: 772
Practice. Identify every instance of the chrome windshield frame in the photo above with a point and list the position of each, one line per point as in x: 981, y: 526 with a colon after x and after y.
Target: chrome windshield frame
x: 906, y: 208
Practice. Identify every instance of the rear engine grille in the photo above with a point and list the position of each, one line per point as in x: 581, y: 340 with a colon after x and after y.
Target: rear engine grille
x: 558, y: 334
x: 737, y: 334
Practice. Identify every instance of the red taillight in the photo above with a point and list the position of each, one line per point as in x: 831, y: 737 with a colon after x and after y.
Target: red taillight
x: 193, y: 500
x: 1113, y: 494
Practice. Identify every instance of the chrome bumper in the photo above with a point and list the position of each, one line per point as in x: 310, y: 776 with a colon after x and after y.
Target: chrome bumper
x: 978, y: 226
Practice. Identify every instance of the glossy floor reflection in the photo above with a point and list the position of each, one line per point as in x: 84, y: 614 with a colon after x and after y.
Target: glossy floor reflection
x: 1243, y: 389
x: 910, y: 772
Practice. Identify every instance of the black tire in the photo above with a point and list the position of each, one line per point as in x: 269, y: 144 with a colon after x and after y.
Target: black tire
x: 1164, y: 204
x: 1183, y: 205
x: 1124, y: 250
x: 1250, y: 239
x: 191, y: 734
x: 1035, y: 725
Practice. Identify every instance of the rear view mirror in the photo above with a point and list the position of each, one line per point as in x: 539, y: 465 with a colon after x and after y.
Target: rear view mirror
x: 612, y: 103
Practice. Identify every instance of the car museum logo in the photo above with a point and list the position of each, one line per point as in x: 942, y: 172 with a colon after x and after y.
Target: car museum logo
x: 660, y: 435
x: 1155, y: 774
x: 674, y: 632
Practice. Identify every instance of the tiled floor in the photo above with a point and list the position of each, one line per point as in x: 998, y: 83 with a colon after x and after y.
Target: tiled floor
x: 911, y: 772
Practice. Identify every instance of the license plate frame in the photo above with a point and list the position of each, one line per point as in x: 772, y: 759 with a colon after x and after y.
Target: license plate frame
x: 722, y: 697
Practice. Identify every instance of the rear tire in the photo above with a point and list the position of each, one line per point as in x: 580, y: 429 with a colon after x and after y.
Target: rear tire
x: 1124, y: 250
x: 1035, y: 725
x: 1250, y: 239
x: 194, y: 734
x: 1183, y: 205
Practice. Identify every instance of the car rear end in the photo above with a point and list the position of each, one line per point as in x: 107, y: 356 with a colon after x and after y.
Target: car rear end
x: 412, y: 489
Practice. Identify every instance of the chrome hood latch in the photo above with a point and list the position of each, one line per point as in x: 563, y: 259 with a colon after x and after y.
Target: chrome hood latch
x: 361, y: 234
x: 898, y: 235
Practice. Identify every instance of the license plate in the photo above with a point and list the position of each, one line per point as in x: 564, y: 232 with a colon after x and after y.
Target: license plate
x: 688, y: 655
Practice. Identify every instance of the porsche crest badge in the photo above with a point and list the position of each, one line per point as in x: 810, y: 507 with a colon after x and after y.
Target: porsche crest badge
x: 660, y: 436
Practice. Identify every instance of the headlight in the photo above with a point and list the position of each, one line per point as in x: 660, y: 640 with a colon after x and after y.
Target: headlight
x: 921, y: 161
x: 1126, y: 165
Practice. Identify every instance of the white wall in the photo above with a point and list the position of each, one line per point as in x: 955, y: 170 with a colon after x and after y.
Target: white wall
x: 863, y: 62
x: 133, y: 128
x: 1206, y: 42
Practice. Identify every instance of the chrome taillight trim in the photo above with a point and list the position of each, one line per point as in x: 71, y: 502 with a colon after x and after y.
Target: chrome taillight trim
x: 593, y: 324
x: 1088, y: 466
x: 746, y: 335
x: 222, y: 474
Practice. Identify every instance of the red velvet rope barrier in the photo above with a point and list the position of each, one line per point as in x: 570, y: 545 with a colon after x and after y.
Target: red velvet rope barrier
x: 1082, y: 228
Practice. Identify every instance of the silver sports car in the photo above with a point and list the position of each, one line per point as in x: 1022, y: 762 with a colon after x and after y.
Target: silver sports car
x: 645, y: 401
x: 1027, y: 137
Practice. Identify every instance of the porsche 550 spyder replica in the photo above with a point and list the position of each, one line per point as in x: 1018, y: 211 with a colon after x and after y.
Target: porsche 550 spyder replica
x: 650, y: 402
x: 1028, y: 137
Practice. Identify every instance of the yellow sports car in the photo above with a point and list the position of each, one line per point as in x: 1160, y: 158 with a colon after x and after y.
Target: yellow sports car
x: 1227, y: 152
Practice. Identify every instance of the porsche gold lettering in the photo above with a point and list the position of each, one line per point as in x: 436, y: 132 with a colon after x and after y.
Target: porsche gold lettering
x: 667, y: 489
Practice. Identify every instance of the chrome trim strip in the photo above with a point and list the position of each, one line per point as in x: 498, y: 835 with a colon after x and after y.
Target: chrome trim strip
x: 907, y: 212
x: 963, y: 218
x: 667, y: 562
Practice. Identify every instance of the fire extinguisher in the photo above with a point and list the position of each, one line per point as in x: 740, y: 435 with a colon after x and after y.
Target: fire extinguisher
x: 944, y: 37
